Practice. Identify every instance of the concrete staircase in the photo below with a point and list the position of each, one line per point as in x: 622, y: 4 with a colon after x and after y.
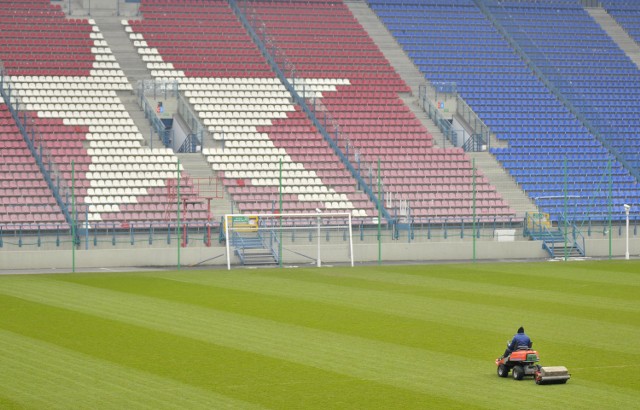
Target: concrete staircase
x: 504, y: 183
x: 135, y: 70
x: 616, y: 32
x: 130, y: 102
x: 204, y: 178
x: 126, y: 55
x: 251, y: 250
x: 400, y: 62
x: 439, y: 140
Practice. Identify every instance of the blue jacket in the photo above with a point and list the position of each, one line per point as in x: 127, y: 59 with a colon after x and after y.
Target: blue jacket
x: 520, y: 339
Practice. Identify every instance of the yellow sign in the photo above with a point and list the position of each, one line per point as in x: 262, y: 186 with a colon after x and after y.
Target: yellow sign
x: 538, y: 218
x: 242, y: 223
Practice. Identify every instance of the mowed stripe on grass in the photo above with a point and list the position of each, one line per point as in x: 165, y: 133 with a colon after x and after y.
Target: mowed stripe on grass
x: 42, y: 375
x: 359, y: 327
x: 241, y: 333
x: 443, y: 301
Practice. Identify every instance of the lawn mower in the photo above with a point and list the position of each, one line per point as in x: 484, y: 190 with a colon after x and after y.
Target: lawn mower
x: 522, y: 362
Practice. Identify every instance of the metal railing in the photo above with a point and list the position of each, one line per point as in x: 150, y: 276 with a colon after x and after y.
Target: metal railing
x: 150, y: 88
x: 125, y: 8
x: 191, y: 144
x: 156, y: 88
x: 434, y: 114
x: 170, y: 89
x: 56, y: 181
x: 429, y: 93
x: 103, y: 235
x: 475, y: 143
x: 578, y: 239
x: 198, y: 130
x: 481, y: 137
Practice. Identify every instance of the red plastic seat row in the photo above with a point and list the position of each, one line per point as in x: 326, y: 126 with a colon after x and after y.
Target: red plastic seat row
x: 44, y: 41
x: 54, y: 24
x: 44, y: 36
x: 224, y: 47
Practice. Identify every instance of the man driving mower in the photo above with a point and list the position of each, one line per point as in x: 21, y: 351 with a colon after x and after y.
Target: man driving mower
x: 520, y: 340
x: 521, y: 360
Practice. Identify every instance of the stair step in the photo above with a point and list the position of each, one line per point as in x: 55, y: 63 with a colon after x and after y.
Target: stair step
x: 616, y: 32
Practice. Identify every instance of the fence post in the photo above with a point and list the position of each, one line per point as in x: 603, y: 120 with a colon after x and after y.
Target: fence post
x: 86, y: 226
x: 185, y: 236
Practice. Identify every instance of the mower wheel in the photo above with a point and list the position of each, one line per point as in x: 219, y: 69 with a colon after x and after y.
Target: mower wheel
x: 503, y: 371
x: 518, y: 373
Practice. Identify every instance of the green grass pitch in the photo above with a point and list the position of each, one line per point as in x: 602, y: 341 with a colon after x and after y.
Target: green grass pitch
x: 378, y: 337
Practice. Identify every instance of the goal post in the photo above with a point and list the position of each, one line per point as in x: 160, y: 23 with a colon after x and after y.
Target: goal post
x: 290, y: 239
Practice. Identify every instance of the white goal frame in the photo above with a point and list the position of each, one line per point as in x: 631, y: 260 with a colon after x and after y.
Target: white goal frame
x: 228, y: 218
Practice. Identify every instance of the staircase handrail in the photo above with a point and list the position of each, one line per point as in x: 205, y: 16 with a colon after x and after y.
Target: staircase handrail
x: 475, y: 122
x: 480, y: 137
x: 38, y: 153
x: 274, y: 245
x: 151, y: 115
x: 578, y: 239
x: 190, y: 143
x: 540, y: 231
x: 193, y: 120
x: 475, y: 143
x: 154, y: 87
x: 237, y: 241
x: 434, y: 114
x: 537, y: 226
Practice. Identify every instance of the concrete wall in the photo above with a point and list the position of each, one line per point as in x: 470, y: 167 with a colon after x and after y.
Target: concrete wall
x: 85, y: 8
x: 302, y: 250
x: 599, y: 248
x: 296, y: 255
x: 462, y: 133
x: 161, y: 254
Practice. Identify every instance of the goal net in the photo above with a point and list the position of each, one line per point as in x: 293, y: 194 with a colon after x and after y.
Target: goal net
x: 288, y: 239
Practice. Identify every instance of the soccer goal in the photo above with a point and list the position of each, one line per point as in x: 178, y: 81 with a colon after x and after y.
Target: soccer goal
x: 288, y: 239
